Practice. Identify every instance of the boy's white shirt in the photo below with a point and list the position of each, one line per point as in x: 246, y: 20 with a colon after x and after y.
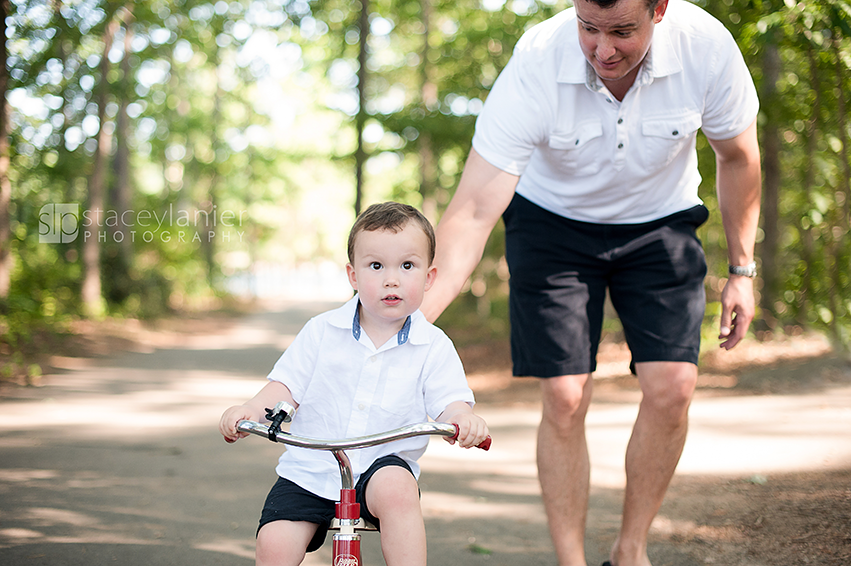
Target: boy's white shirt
x: 346, y: 387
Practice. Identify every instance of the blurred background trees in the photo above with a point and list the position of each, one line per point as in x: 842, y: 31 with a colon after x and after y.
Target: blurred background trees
x: 156, y: 156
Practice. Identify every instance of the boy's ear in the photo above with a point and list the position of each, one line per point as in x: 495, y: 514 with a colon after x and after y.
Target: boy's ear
x: 431, y: 275
x: 353, y: 278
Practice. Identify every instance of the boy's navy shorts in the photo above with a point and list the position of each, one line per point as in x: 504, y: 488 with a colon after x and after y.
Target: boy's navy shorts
x: 560, y: 271
x: 288, y: 501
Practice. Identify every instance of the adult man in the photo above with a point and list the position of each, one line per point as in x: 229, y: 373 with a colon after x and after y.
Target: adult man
x: 586, y: 147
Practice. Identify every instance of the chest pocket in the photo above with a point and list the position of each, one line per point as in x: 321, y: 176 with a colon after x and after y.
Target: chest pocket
x: 400, y: 391
x: 665, y: 138
x: 576, y: 152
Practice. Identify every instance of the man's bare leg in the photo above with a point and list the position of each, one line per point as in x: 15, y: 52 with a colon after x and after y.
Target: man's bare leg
x: 653, y: 452
x: 563, y: 466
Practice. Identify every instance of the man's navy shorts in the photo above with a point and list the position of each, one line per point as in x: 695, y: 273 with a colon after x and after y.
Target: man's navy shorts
x: 288, y: 501
x: 560, y: 271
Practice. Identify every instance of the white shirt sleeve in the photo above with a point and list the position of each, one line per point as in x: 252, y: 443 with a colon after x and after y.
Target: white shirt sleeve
x: 445, y: 381
x: 731, y: 101
x: 297, y: 364
x: 518, y: 112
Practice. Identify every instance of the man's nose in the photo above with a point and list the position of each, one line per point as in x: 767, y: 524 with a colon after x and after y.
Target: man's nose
x: 605, y: 49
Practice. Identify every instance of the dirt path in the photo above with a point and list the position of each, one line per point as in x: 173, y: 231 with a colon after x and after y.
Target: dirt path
x: 116, y: 459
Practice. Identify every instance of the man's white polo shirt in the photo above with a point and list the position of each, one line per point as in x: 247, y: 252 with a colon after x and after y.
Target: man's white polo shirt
x: 586, y: 156
x: 346, y: 387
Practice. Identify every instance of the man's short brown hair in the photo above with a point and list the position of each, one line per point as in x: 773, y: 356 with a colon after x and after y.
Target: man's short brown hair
x: 651, y: 4
x: 391, y: 216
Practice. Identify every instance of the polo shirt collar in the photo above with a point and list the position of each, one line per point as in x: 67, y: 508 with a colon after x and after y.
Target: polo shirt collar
x: 413, y: 330
x: 661, y: 61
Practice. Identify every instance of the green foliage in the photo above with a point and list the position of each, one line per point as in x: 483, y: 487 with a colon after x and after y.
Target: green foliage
x: 248, y: 108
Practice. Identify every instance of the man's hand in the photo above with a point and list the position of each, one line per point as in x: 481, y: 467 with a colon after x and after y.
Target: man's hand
x: 737, y: 310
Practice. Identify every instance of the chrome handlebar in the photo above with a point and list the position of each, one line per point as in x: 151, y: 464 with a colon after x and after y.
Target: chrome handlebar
x: 421, y: 429
x: 338, y: 447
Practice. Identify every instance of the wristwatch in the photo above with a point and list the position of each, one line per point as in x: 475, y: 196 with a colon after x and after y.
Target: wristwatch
x: 748, y: 270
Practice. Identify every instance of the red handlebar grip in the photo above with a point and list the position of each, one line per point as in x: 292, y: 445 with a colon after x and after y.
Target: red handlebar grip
x: 485, y: 444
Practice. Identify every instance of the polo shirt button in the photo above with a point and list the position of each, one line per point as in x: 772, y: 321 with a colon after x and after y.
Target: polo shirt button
x: 609, y: 100
x: 361, y: 407
x: 577, y: 142
x: 675, y: 132
x: 620, y: 146
x: 620, y: 120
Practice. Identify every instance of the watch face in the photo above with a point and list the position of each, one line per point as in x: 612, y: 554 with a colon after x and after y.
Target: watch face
x: 744, y: 270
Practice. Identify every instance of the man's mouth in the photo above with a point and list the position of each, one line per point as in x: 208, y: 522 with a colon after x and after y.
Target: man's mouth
x: 608, y: 64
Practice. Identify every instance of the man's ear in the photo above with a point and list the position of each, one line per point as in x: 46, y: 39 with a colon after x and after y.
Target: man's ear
x: 353, y: 278
x: 431, y: 275
x: 659, y: 11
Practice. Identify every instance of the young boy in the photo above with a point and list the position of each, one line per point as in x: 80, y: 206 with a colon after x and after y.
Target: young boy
x: 372, y: 365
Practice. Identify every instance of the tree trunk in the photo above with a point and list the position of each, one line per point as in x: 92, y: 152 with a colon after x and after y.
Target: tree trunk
x: 360, y: 119
x: 808, y: 245
x: 771, y: 184
x: 121, y: 195
x: 5, y: 184
x: 91, y: 290
x: 839, y: 235
x: 428, y: 95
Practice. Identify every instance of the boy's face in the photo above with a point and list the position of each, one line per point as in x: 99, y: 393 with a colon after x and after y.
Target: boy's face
x: 391, y: 272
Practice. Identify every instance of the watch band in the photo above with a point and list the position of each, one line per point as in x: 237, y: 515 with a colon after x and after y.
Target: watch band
x: 748, y: 270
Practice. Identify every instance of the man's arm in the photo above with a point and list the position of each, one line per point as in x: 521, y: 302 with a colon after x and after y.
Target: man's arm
x: 483, y: 194
x: 739, y: 181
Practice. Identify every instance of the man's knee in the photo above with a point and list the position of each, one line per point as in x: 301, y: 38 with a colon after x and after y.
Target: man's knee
x: 566, y: 398
x: 668, y: 387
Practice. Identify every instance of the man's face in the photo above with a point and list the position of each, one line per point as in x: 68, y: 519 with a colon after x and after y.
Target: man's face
x: 615, y: 40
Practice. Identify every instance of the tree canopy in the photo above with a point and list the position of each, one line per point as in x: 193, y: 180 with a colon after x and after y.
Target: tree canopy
x: 150, y: 152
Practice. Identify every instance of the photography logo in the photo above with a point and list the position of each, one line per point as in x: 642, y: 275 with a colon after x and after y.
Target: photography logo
x: 58, y: 223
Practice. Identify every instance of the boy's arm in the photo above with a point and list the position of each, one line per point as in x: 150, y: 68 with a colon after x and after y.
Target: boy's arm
x: 254, y: 409
x: 472, y: 429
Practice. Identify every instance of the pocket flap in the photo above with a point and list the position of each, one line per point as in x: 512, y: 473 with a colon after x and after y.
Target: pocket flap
x: 672, y: 128
x: 582, y: 134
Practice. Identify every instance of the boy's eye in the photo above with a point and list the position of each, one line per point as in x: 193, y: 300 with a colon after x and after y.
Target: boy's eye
x: 375, y: 265
x: 407, y: 265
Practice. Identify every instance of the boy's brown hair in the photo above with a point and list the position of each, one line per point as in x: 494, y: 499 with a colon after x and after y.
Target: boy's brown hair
x: 391, y: 216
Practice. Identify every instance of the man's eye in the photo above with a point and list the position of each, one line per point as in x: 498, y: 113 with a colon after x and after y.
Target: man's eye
x: 375, y: 266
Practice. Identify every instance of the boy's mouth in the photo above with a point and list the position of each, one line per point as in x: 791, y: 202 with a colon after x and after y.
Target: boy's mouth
x: 391, y: 299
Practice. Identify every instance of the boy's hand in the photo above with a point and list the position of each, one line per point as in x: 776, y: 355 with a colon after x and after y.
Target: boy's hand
x: 230, y: 419
x: 472, y: 429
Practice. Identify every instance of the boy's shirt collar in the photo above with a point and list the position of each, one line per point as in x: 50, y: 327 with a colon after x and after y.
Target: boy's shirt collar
x: 401, y: 336
x: 415, y: 329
